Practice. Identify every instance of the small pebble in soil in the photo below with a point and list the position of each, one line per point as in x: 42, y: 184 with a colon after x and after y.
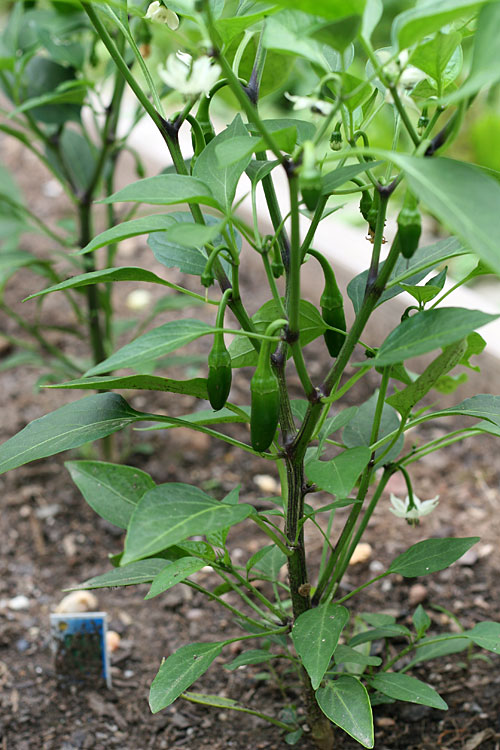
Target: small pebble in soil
x: 267, y: 484
x: 19, y: 602
x: 361, y: 554
x: 417, y: 594
x: 77, y: 601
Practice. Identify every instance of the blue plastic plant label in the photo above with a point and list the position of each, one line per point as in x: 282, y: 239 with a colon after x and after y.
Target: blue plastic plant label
x: 79, y: 646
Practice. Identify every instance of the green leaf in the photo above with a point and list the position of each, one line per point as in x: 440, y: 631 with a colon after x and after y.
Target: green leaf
x: 70, y: 426
x: 429, y: 330
x: 179, y: 671
x: 485, y: 635
x: 359, y: 429
x: 174, y: 573
x: 402, y: 687
x: 432, y: 56
x: 421, y: 621
x: 377, y: 634
x: 340, y: 176
x: 482, y: 406
x: 289, y: 32
x: 154, y: 344
x: 105, y: 276
x: 461, y: 196
x: 412, y: 271
x: 311, y: 325
x: 423, y: 20
x: 339, y: 475
x: 206, y: 417
x: 132, y: 228
x: 222, y: 179
x: 229, y: 28
x: 484, y: 72
x: 347, y: 655
x: 192, y: 235
x: 430, y: 556
x: 315, y: 635
x: 165, y: 190
x: 112, y: 490
x: 142, y: 571
x: 436, y: 648
x: 304, y: 130
x: 345, y: 702
x: 371, y: 16
x: 188, y: 259
x: 252, y: 656
x: 267, y: 563
x: 172, y: 512
x: 406, y: 399
x: 78, y: 157
x: 326, y: 8
x: 195, y: 387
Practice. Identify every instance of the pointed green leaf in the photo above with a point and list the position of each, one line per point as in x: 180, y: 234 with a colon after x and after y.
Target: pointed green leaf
x: 70, y: 426
x: 485, y: 635
x: 153, y: 344
x: 484, y: 71
x: 384, y: 631
x: 359, y: 429
x: 461, y: 196
x: 430, y: 556
x: 347, y: 655
x: 112, y: 490
x: 402, y: 687
x: 174, y: 573
x: 345, y: 702
x: 431, y: 648
x: 132, y: 228
x: 165, y: 190
x: 339, y: 475
x: 179, y: 671
x: 192, y: 235
x: 142, y: 571
x: 315, y: 635
x: 252, y: 656
x: 326, y: 8
x: 105, y: 276
x: 195, y: 387
x: 421, y: 621
x: 425, y: 18
x: 170, y: 513
x: 223, y: 180
x: 429, y: 330
x: 482, y: 406
x: 340, y: 176
x: 433, y: 55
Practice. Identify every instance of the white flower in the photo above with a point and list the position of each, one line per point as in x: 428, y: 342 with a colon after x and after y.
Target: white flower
x: 159, y: 13
x: 401, y: 508
x: 317, y: 106
x: 190, y: 78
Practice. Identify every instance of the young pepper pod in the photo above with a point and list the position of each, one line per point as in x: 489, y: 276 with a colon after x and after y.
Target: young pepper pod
x: 219, y: 373
x: 219, y: 362
x: 265, y: 397
x: 332, y: 307
x: 409, y: 226
x: 310, y: 177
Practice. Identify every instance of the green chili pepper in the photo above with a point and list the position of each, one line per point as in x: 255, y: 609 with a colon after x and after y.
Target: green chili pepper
x: 372, y: 213
x: 365, y: 204
x: 265, y: 397
x: 310, y: 177
x: 219, y: 373
x: 409, y: 225
x: 219, y: 362
x: 332, y: 307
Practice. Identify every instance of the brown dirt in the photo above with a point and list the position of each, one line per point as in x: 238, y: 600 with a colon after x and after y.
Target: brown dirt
x: 50, y: 539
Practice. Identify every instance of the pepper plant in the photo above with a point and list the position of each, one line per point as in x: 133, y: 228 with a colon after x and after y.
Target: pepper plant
x: 63, y: 105
x: 317, y: 444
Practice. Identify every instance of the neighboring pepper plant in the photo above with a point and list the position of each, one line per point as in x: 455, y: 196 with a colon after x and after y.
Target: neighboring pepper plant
x: 315, y: 442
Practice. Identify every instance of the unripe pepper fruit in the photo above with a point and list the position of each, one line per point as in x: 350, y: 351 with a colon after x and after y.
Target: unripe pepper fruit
x: 332, y: 307
x: 265, y: 397
x: 219, y: 374
x: 310, y: 177
x: 409, y: 226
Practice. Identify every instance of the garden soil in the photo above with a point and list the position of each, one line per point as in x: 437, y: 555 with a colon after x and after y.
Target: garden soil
x: 51, y: 540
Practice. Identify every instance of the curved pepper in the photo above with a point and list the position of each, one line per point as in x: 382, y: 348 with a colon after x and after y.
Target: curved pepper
x: 219, y: 362
x: 265, y: 397
x: 332, y: 307
x: 409, y: 226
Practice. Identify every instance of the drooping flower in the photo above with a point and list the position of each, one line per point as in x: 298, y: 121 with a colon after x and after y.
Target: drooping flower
x: 161, y: 14
x: 316, y: 106
x: 412, y: 513
x: 189, y: 77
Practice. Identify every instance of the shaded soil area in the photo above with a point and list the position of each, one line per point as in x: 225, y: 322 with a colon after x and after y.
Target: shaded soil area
x: 50, y: 539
